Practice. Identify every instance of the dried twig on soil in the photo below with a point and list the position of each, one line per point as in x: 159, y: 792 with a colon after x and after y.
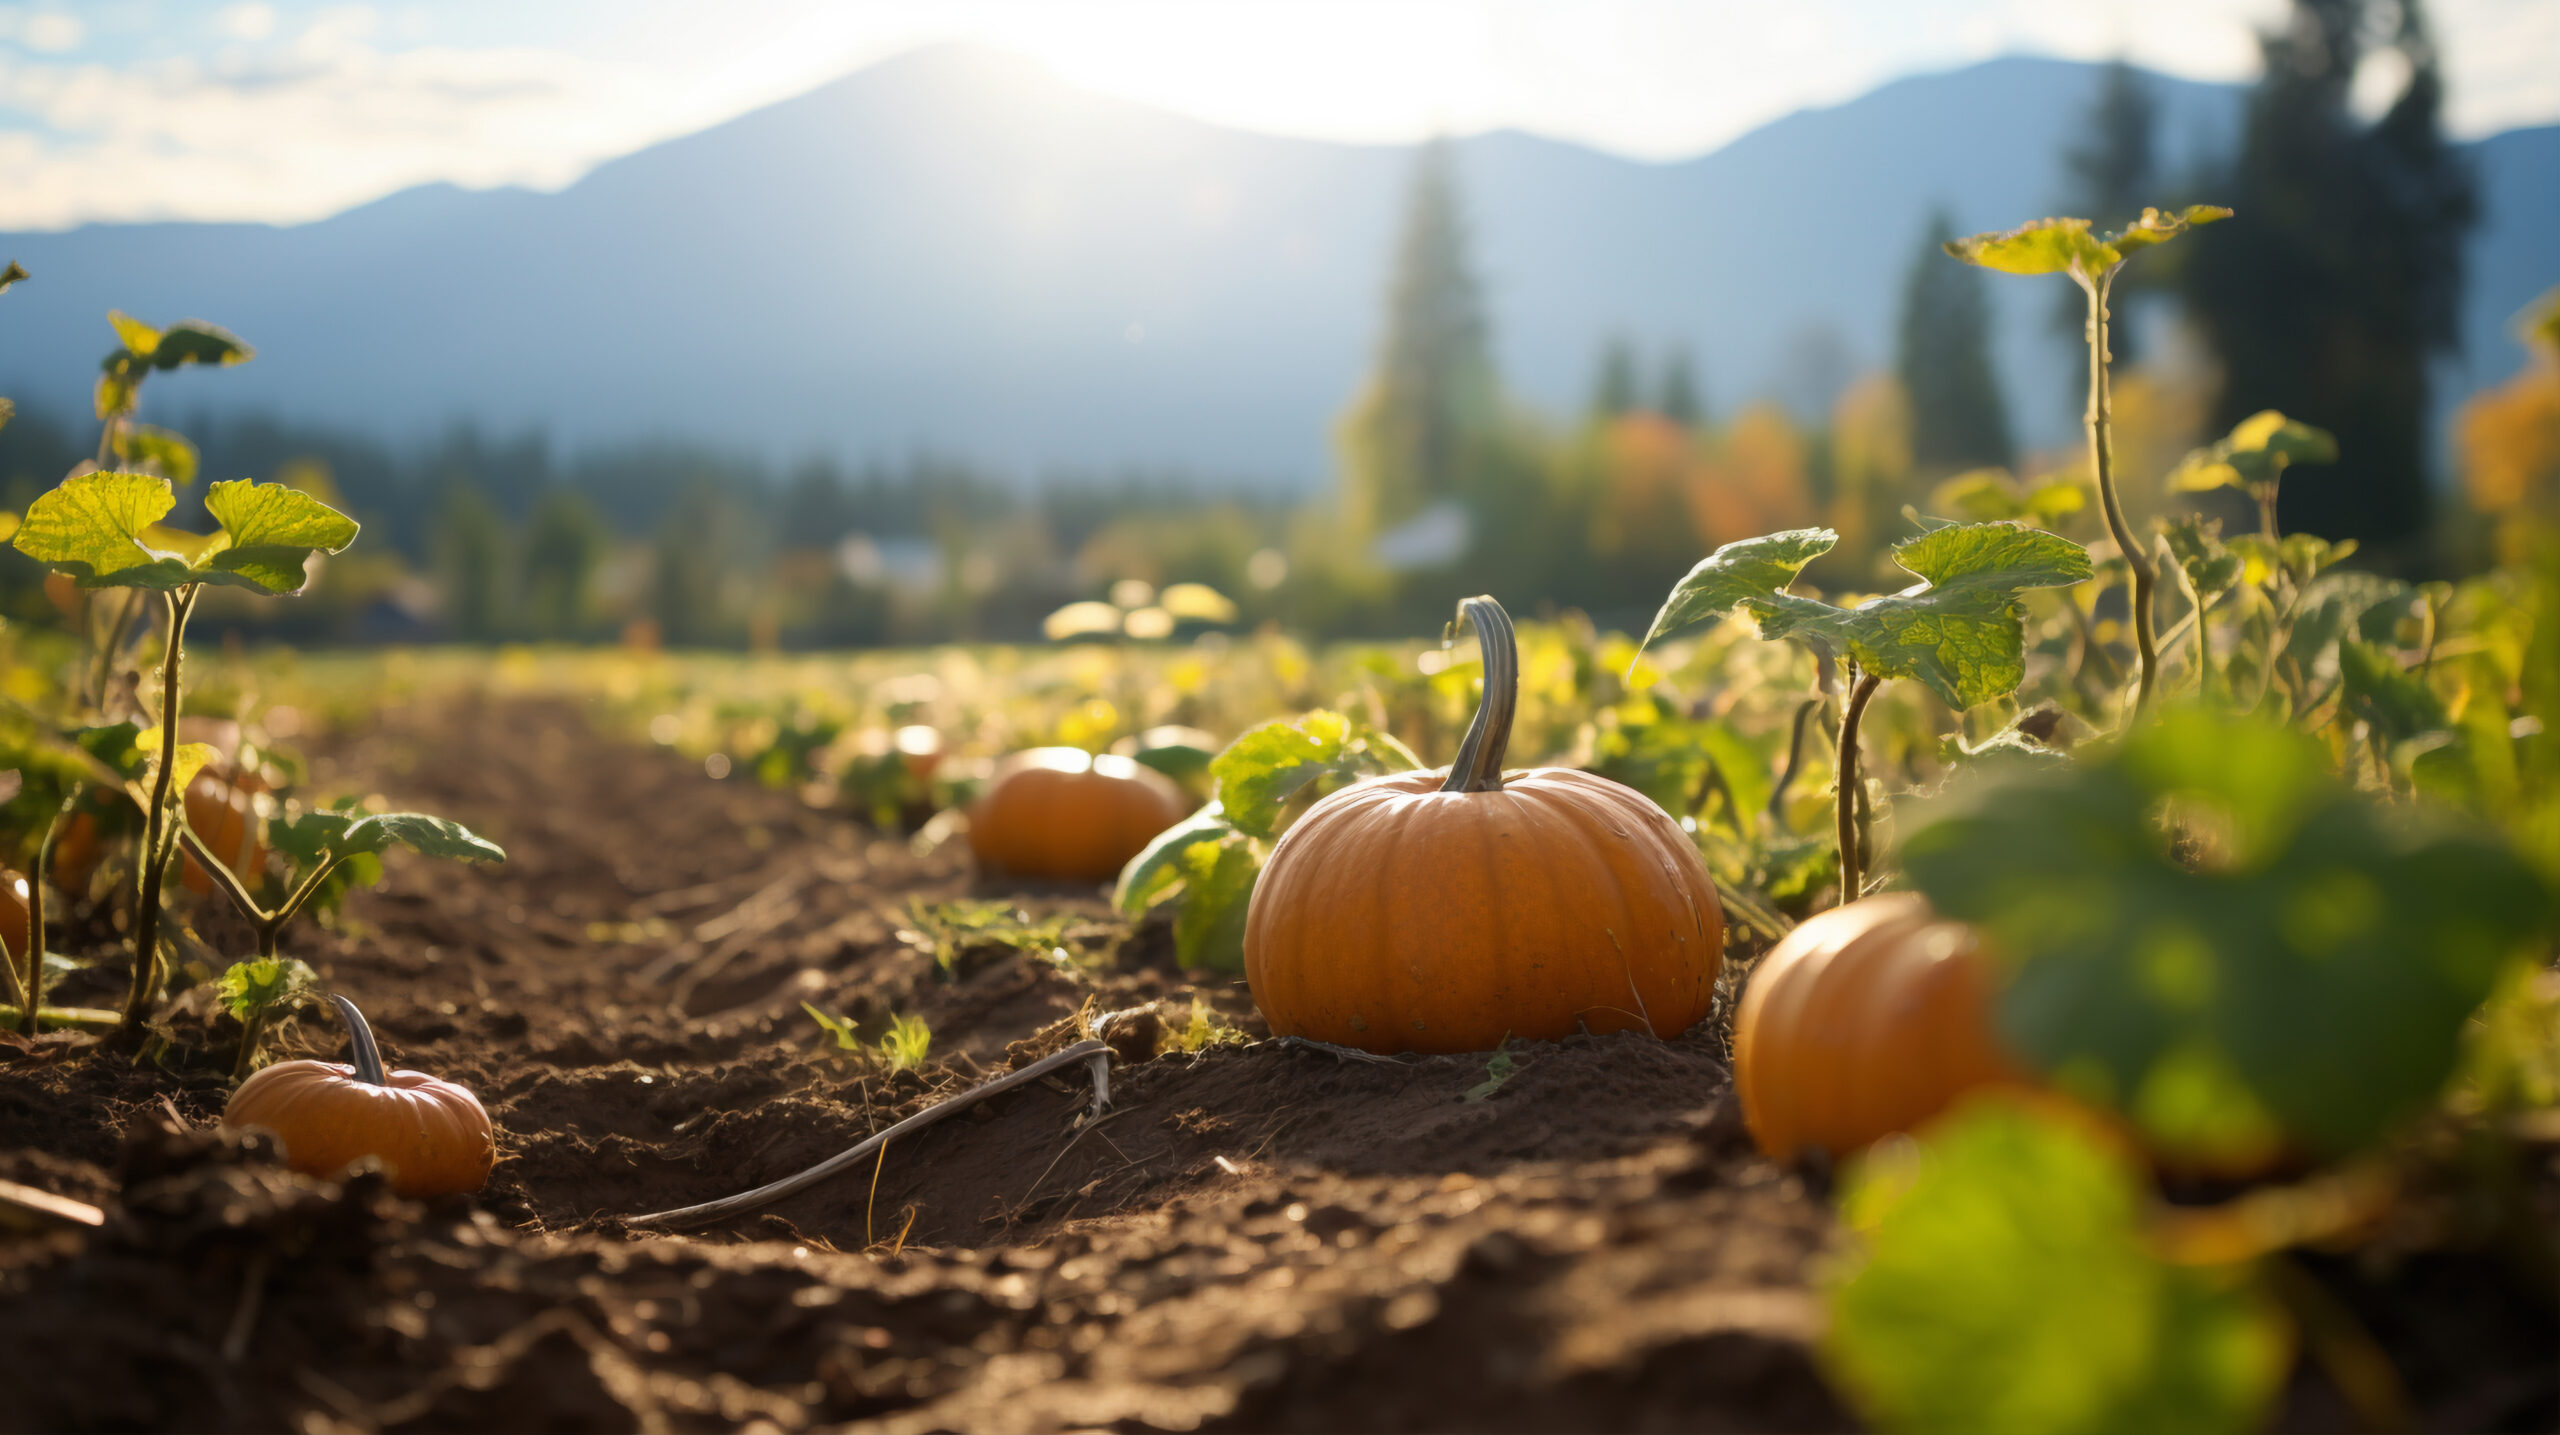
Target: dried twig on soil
x: 1094, y: 1053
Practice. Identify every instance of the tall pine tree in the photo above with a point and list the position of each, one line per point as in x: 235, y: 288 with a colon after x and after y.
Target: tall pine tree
x: 1417, y: 430
x: 1680, y: 401
x: 2340, y: 277
x: 1944, y: 361
x: 1613, y: 387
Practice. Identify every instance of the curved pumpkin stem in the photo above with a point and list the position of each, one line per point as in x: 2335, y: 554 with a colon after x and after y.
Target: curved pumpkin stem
x: 368, y: 1055
x: 1479, y: 764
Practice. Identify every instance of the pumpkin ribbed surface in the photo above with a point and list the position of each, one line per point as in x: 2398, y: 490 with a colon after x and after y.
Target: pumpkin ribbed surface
x: 1398, y: 917
x: 1064, y: 813
x: 434, y: 1138
x: 1867, y: 1020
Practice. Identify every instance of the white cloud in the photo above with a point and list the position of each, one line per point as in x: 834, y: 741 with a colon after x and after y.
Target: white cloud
x: 247, y: 22
x: 50, y: 32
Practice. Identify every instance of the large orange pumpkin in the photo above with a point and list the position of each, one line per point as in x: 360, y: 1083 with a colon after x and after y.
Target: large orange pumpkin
x: 433, y: 1137
x: 1866, y: 1020
x: 1444, y: 912
x: 1065, y: 813
x: 221, y: 808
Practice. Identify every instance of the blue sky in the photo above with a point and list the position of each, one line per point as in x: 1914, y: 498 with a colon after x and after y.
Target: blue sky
x: 136, y: 109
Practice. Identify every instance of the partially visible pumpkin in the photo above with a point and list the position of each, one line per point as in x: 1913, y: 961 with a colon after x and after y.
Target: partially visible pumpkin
x: 13, y: 914
x: 1446, y: 911
x: 77, y: 853
x: 432, y: 1137
x: 1062, y: 812
x: 1866, y: 1020
x: 222, y: 810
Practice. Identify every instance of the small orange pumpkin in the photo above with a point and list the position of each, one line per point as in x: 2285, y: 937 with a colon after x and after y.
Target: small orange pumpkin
x: 77, y: 853
x: 433, y: 1137
x: 1866, y: 1020
x: 1065, y: 813
x: 1444, y: 912
x: 222, y: 809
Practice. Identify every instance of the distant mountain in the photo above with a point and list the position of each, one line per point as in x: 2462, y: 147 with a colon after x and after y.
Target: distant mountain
x: 956, y: 252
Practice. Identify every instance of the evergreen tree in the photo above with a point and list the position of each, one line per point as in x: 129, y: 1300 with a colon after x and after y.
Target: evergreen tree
x: 2340, y: 277
x: 1680, y: 402
x: 1957, y: 417
x: 2114, y: 174
x: 1613, y: 389
x: 470, y: 546
x: 1413, y: 436
x: 563, y: 542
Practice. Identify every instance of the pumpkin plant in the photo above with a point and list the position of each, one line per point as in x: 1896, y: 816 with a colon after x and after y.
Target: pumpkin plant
x: 2065, y: 246
x: 103, y: 529
x: 2253, y: 458
x: 1444, y: 911
x: 1065, y: 813
x: 432, y: 1137
x: 1957, y: 630
x: 1207, y: 865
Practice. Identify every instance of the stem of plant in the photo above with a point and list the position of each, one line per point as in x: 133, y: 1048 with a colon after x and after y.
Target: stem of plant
x: 114, y: 643
x: 2102, y: 461
x: 157, y: 846
x: 1852, y: 880
x: 32, y: 990
x: 360, y: 1043
x: 1795, y: 761
x: 1478, y: 767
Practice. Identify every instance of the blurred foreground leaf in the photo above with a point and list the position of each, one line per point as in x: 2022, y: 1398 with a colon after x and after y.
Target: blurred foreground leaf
x: 2001, y: 1282
x: 2205, y: 924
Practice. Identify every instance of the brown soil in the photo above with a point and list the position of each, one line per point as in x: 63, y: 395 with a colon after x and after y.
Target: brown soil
x: 1256, y: 1236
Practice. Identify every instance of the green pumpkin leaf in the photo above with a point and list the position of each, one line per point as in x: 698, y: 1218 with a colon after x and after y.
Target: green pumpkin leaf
x: 95, y: 526
x: 1158, y: 866
x: 271, y: 529
x: 2335, y: 604
x: 2396, y: 703
x: 2196, y: 543
x: 263, y: 984
x: 2000, y: 1279
x: 11, y: 274
x: 2066, y: 246
x: 1217, y: 891
x: 1261, y: 771
x: 2254, y: 455
x: 192, y: 341
x: 1752, y: 573
x: 158, y: 449
x: 420, y: 833
x: 139, y: 339
x: 2208, y: 898
x: 91, y: 527
x: 1958, y: 631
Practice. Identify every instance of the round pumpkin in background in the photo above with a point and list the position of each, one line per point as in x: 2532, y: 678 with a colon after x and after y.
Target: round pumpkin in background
x: 1064, y: 813
x: 1866, y: 1020
x: 1444, y: 912
x: 77, y: 853
x: 432, y: 1137
x: 222, y: 811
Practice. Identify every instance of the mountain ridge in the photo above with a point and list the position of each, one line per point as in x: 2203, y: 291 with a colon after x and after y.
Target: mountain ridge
x: 955, y: 252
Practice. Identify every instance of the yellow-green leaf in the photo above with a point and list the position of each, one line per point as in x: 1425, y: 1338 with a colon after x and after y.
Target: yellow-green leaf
x: 139, y: 338
x: 2256, y: 452
x: 92, y: 528
x: 11, y: 274
x: 158, y: 450
x: 192, y: 341
x: 2065, y: 246
x: 272, y: 530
